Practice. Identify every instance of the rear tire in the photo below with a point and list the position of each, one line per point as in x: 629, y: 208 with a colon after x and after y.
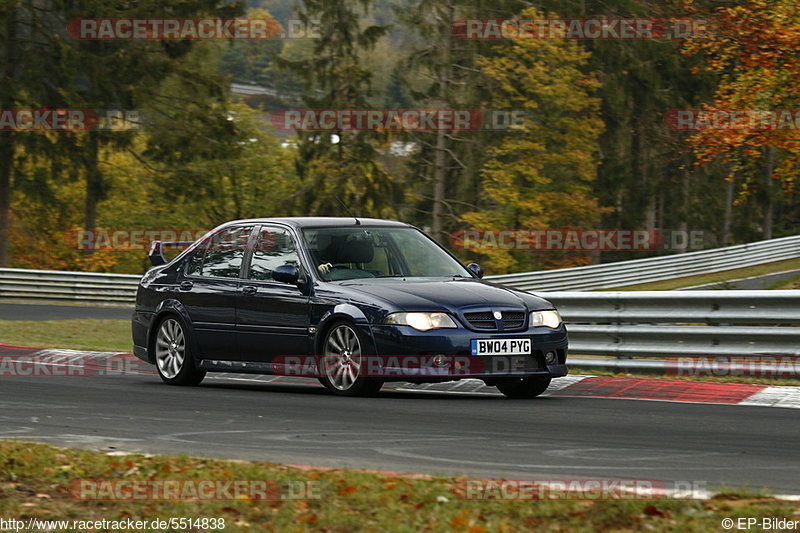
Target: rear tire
x: 342, y: 360
x: 527, y: 387
x: 174, y: 359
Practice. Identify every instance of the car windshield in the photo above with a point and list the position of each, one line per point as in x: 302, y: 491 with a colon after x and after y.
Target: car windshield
x: 378, y: 252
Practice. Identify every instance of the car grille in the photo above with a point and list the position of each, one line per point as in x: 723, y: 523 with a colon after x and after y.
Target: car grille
x: 513, y: 319
x: 481, y: 320
x: 484, y: 320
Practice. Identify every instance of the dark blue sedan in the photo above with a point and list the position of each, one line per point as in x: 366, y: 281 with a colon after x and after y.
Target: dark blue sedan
x: 351, y: 302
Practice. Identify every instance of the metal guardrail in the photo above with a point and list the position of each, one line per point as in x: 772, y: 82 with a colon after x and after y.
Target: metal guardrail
x: 121, y: 288
x: 620, y: 274
x: 86, y: 287
x: 624, y: 324
x: 680, y: 324
x: 252, y: 90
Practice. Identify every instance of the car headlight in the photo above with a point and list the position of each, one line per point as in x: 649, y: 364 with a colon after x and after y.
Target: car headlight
x: 421, y: 321
x: 550, y: 319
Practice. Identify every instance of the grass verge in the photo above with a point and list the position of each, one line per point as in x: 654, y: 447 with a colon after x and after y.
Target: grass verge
x: 791, y: 284
x: 716, y: 277
x: 35, y: 481
x: 86, y: 334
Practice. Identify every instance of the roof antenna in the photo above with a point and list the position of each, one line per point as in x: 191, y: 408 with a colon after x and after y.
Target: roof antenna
x: 347, y: 210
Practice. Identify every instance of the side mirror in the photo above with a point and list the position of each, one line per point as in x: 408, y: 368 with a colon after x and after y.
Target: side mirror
x: 476, y: 269
x: 286, y: 274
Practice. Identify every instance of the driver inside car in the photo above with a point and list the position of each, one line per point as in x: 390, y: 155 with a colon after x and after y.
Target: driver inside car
x: 327, y: 247
x: 350, y: 255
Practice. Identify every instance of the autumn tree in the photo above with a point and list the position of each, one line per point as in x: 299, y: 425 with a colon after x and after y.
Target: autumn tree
x: 754, y: 47
x: 541, y: 174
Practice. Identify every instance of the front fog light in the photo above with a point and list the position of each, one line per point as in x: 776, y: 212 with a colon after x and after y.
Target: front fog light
x: 550, y: 318
x: 550, y: 358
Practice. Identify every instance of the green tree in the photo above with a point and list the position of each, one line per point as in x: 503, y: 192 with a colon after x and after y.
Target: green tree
x: 645, y: 172
x: 340, y: 165
x: 541, y: 174
x: 442, y: 71
x: 30, y: 77
x: 249, y: 61
x: 121, y: 74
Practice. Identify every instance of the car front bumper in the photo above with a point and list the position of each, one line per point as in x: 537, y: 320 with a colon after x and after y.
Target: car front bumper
x: 406, y: 354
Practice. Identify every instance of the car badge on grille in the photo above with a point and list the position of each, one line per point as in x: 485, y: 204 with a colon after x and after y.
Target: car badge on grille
x: 498, y: 315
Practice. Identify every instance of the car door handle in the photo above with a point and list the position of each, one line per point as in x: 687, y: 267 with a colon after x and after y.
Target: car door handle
x: 249, y: 289
x: 186, y: 285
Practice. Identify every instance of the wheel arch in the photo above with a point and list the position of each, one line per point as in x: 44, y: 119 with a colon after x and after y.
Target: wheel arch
x: 166, y: 308
x: 344, y: 312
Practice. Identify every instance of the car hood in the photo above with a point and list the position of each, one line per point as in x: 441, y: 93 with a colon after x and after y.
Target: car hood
x: 440, y: 295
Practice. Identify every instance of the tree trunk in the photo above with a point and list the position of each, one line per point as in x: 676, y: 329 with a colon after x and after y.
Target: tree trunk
x: 7, y: 138
x: 650, y: 212
x: 6, y: 160
x: 769, y: 206
x: 725, y: 236
x: 683, y: 223
x: 94, y: 182
x: 641, y: 169
x: 440, y: 157
x: 439, y: 186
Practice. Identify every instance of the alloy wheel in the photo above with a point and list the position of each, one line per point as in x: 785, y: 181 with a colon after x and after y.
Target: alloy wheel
x: 342, y: 357
x: 170, y: 348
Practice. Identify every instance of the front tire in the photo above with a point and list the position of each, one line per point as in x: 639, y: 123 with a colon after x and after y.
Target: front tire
x: 174, y: 359
x: 342, y: 362
x: 527, y: 387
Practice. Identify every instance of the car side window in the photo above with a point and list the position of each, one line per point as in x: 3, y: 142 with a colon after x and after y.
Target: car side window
x: 195, y: 263
x: 224, y: 252
x: 274, y: 247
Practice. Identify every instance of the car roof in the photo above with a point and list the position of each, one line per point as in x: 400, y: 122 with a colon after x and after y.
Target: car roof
x: 321, y: 222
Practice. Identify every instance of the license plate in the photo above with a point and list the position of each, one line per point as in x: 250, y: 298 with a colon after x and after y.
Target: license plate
x: 500, y: 346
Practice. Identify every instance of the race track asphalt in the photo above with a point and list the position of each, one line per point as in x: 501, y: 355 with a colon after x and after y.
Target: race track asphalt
x: 29, y: 311
x: 482, y: 435
x: 289, y: 420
